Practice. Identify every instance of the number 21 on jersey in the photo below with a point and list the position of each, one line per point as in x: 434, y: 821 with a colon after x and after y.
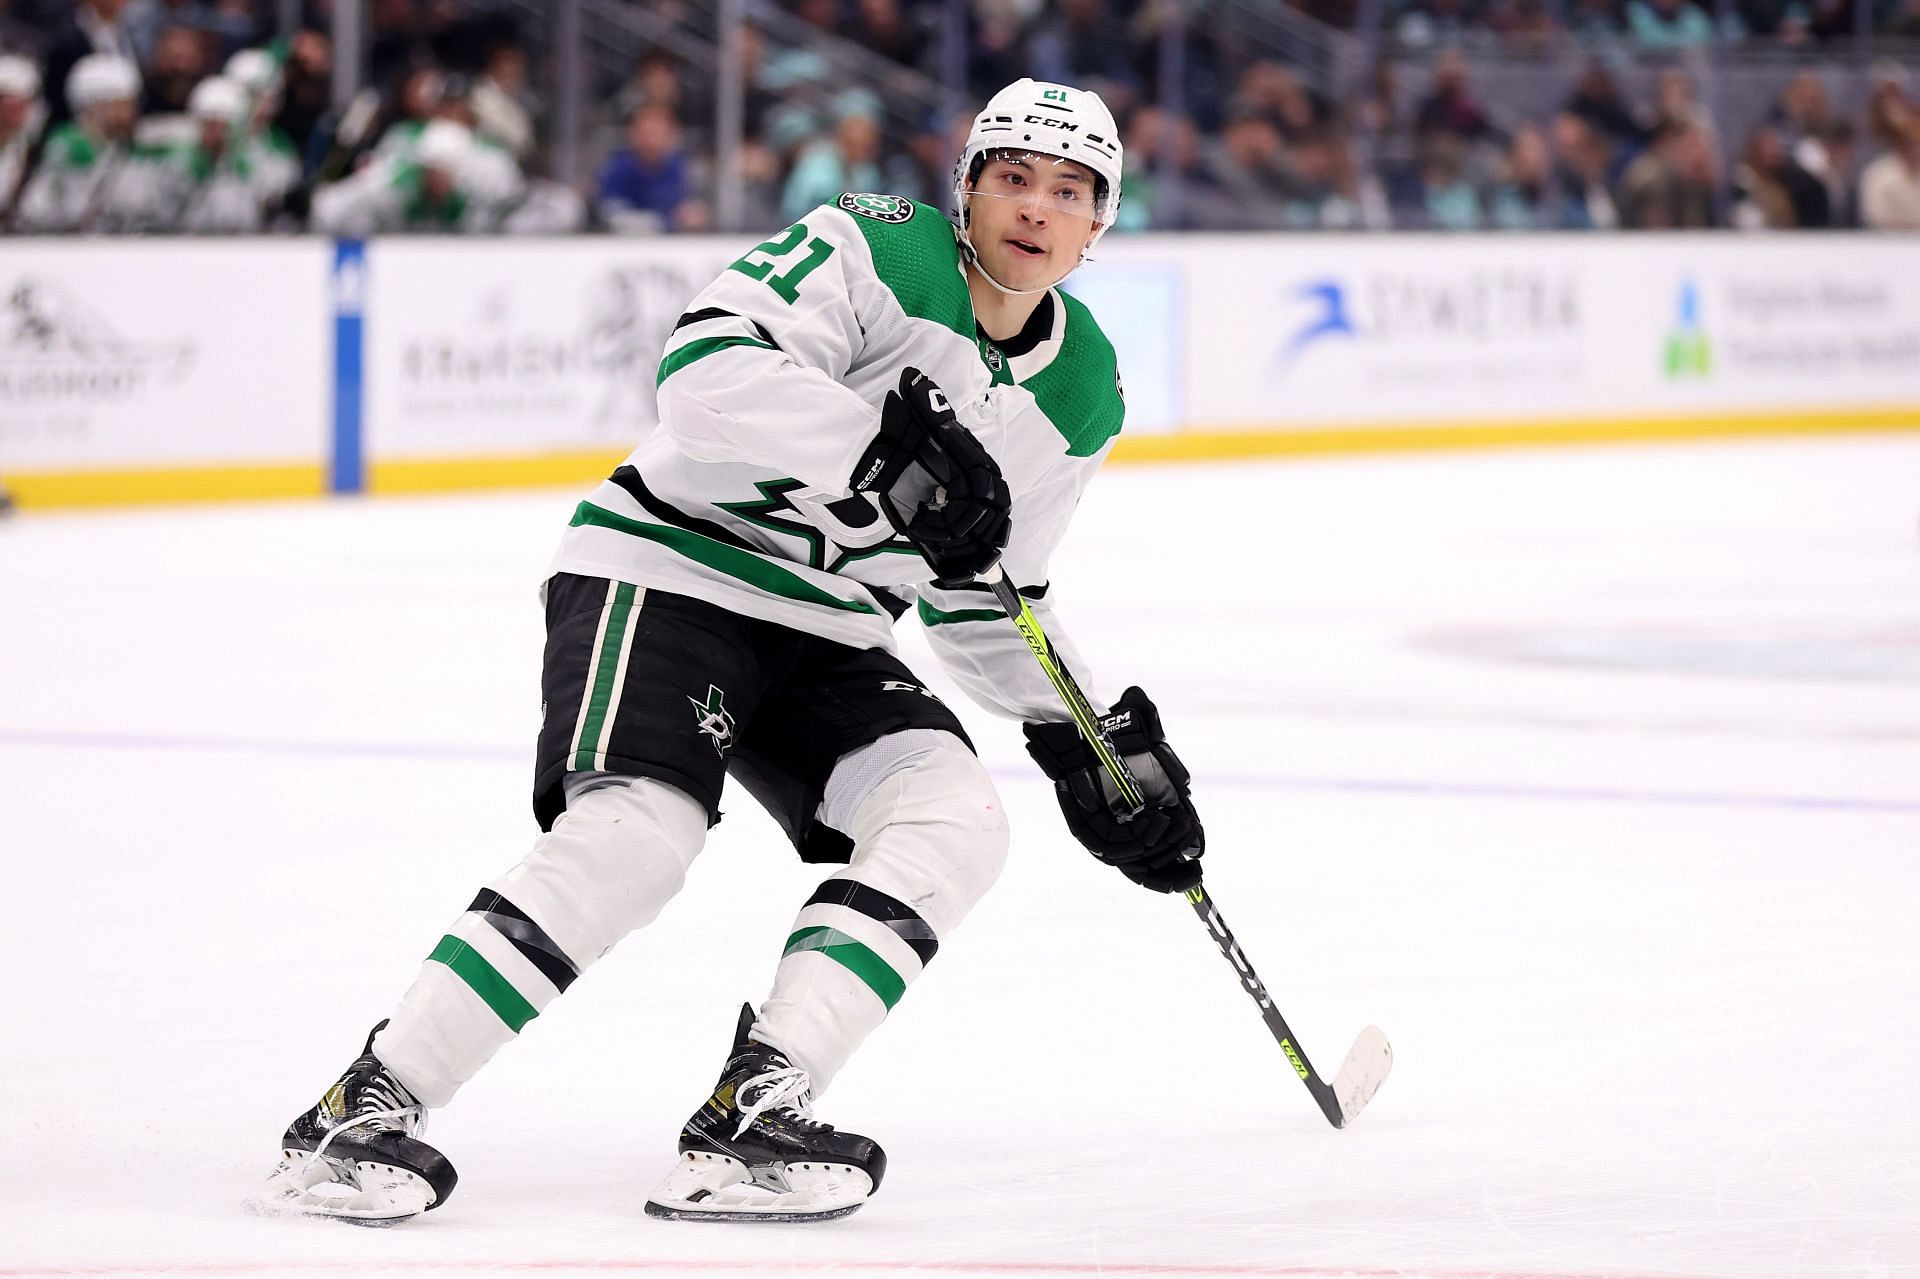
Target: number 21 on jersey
x: 759, y: 261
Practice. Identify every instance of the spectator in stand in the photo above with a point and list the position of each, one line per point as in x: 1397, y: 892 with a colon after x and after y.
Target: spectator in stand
x: 1890, y: 186
x: 1671, y: 185
x: 1085, y: 42
x: 503, y: 105
x: 86, y: 158
x: 1528, y: 197
x: 1353, y: 199
x: 1836, y: 174
x: 644, y: 185
x: 306, y: 98
x: 849, y: 161
x: 1668, y: 24
x: 179, y: 62
x: 1770, y: 191
x: 94, y: 27
x: 1676, y: 101
x: 1448, y: 199
x: 1888, y: 108
x: 1598, y: 101
x: 1803, y: 110
x: 1585, y: 160
x: 1192, y: 199
x: 1902, y: 20
x: 1275, y: 92
x: 21, y: 118
x: 1421, y: 24
x: 1829, y: 20
x: 1450, y: 108
x: 880, y: 26
x: 1247, y: 166
x: 1522, y: 25
x: 1596, y: 23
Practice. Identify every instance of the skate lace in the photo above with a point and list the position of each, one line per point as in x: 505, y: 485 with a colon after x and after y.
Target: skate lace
x: 782, y: 1090
x: 383, y: 1106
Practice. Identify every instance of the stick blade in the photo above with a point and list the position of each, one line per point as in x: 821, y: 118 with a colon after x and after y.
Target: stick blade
x: 1367, y: 1066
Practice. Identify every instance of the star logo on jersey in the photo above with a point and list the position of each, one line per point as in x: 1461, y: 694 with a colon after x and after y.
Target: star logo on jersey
x: 712, y: 718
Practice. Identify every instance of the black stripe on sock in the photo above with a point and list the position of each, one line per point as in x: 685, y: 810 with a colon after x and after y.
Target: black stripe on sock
x: 527, y: 937
x: 875, y: 904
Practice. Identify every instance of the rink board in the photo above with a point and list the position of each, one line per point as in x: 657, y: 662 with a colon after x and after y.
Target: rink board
x: 147, y: 371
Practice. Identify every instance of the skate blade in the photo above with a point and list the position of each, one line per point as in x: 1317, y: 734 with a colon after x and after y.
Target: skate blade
x: 705, y: 1186
x: 362, y: 1194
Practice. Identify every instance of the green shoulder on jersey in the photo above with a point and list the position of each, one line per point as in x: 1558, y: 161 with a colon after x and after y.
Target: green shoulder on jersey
x: 917, y: 256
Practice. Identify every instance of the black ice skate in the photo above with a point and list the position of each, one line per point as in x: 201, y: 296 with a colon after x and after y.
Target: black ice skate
x: 754, y: 1152
x: 355, y: 1156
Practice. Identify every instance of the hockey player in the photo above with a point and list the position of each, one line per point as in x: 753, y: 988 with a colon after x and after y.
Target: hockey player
x: 206, y: 185
x: 861, y: 414
x: 427, y: 191
x: 86, y: 159
x: 22, y: 115
x: 269, y: 155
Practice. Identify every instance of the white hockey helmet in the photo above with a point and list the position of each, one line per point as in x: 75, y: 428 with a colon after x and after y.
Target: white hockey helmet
x: 1046, y: 119
x: 19, y: 78
x: 443, y: 144
x: 257, y: 71
x: 218, y: 97
x: 102, y: 77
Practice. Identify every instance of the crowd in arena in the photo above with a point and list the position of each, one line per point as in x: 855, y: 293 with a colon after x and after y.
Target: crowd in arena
x: 194, y: 116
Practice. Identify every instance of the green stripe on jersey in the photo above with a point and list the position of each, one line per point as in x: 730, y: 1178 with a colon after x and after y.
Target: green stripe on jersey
x: 931, y: 616
x: 606, y: 668
x: 731, y: 560
x: 700, y: 349
x: 472, y: 967
x: 919, y: 262
x: 852, y: 956
x: 1080, y: 390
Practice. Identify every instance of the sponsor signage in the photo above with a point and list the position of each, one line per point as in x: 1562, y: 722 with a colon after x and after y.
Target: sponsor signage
x: 476, y: 347
x: 1317, y: 333
x: 156, y: 354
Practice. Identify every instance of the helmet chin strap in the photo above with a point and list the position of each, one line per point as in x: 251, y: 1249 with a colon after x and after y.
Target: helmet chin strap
x: 973, y: 258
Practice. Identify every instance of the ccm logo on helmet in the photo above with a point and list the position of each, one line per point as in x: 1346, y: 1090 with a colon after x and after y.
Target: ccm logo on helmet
x: 1052, y: 123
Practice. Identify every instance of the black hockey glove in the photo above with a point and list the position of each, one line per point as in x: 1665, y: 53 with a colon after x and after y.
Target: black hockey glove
x: 1159, y: 848
x: 937, y: 486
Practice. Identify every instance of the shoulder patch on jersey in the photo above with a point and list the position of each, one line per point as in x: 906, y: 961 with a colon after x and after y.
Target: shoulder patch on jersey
x: 1080, y: 390
x: 918, y: 259
x: 881, y: 208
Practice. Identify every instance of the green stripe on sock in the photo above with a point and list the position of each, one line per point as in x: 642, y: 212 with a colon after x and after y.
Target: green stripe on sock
x: 700, y: 350
x: 750, y: 568
x: 605, y: 668
x: 853, y: 957
x: 472, y: 968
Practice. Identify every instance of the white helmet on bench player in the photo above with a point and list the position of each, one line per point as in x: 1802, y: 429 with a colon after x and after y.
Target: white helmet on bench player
x: 1032, y: 118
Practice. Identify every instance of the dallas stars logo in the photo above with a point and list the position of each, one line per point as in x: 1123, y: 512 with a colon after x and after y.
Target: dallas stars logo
x: 711, y: 717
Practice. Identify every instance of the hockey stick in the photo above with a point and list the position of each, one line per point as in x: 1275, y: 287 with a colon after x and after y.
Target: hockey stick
x: 1371, y: 1057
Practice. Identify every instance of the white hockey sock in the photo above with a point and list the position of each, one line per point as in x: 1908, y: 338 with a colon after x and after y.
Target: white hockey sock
x: 612, y: 860
x: 929, y: 840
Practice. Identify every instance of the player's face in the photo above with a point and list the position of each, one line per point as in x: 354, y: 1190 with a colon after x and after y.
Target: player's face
x: 1030, y: 217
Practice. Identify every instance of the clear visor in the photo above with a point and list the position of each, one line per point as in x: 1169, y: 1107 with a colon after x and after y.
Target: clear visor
x: 1061, y: 187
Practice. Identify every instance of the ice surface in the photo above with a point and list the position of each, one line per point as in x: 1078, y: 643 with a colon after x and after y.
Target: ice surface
x: 1593, y: 777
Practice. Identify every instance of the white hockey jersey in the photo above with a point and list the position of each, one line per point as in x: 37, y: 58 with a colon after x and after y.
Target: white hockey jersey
x: 770, y: 390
